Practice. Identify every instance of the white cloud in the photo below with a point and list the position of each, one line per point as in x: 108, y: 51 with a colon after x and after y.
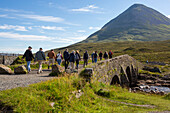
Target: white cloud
x: 89, y: 8
x: 81, y: 31
x: 168, y: 16
x: 23, y: 37
x: 94, y: 28
x: 53, y: 28
x: 30, y: 27
x: 9, y: 10
x: 43, y: 18
x: 6, y: 16
x: 16, y: 28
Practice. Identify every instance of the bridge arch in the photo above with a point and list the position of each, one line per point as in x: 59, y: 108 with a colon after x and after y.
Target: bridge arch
x: 123, y: 78
x: 129, y: 75
x: 115, y: 80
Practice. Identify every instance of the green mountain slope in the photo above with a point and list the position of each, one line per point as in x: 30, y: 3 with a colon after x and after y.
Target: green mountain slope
x: 137, y: 23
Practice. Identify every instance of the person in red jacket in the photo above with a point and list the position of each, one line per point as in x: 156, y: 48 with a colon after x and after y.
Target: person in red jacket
x: 110, y: 54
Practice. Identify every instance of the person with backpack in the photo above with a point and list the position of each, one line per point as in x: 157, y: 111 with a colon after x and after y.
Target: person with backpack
x: 59, y: 58
x: 110, y: 54
x: 72, y: 60
x: 85, y: 58
x: 40, y: 57
x: 92, y: 57
x: 95, y: 56
x: 51, y: 56
x: 66, y: 58
x: 78, y: 58
x: 29, y: 56
x: 101, y: 55
x: 105, y: 56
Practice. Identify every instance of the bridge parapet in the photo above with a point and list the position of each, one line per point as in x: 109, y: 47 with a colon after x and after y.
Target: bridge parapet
x: 121, y: 70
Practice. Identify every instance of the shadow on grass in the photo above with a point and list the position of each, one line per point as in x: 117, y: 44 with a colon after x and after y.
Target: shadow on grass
x: 5, y: 108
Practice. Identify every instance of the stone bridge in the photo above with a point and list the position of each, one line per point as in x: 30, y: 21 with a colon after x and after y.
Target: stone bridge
x: 121, y: 70
x: 7, y: 60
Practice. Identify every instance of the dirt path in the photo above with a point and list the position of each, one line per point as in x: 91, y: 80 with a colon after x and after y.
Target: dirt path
x: 148, y: 106
x: 23, y: 80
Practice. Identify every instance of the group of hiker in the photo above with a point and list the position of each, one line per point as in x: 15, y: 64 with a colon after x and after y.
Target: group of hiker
x: 69, y: 58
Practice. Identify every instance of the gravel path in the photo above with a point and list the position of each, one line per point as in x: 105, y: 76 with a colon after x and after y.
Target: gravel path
x: 23, y: 80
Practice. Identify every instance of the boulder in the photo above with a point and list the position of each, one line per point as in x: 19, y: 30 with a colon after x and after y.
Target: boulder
x: 5, y: 70
x: 56, y: 70
x: 20, y: 70
x: 151, y: 69
x: 149, y: 82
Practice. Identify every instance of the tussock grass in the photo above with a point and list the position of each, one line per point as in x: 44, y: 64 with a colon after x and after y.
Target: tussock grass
x: 37, y: 97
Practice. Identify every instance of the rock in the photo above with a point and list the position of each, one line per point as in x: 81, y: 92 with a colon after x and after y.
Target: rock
x: 157, y: 84
x: 5, y: 70
x: 88, y: 71
x: 153, y: 92
x: 149, y: 82
x: 155, y: 69
x: 142, y: 76
x: 52, y: 104
x: 162, y: 93
x: 78, y: 95
x: 147, y: 87
x: 20, y: 70
x: 57, y: 69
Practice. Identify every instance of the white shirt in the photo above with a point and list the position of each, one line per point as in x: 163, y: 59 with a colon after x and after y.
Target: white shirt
x: 58, y: 56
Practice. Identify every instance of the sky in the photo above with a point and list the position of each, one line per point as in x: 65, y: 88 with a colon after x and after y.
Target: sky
x: 58, y: 23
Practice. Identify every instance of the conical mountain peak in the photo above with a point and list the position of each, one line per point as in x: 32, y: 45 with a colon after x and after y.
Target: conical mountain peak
x: 137, y: 23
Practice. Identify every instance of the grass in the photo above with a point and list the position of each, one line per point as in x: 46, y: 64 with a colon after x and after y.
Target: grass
x: 158, y: 51
x: 37, y: 98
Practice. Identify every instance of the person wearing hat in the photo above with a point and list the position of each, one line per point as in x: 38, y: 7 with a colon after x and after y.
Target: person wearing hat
x: 29, y: 56
x: 40, y: 57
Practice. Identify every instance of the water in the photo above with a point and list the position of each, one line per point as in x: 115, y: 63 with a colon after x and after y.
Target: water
x: 147, y: 88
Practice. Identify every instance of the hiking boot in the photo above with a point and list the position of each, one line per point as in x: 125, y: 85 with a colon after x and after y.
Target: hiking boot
x: 41, y: 71
x: 38, y: 72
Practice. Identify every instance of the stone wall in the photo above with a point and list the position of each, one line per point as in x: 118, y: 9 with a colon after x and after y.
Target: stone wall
x: 121, y: 70
x: 7, y: 60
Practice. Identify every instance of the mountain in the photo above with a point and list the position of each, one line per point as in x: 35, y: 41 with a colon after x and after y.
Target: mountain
x: 137, y: 23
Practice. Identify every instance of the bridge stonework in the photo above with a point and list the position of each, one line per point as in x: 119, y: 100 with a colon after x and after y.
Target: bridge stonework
x: 121, y: 70
x: 7, y: 60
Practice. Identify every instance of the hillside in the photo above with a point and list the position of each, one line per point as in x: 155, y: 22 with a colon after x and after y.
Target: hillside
x: 137, y: 23
x: 152, y: 51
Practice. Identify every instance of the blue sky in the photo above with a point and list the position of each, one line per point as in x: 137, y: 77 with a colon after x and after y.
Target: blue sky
x: 58, y: 23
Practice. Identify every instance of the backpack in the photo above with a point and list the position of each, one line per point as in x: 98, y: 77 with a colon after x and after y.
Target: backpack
x: 95, y: 55
x: 77, y: 56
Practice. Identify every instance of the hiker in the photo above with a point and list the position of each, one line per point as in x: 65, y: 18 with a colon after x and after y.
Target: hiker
x: 92, y: 57
x: 66, y: 58
x: 101, y: 55
x: 85, y: 58
x: 110, y: 54
x: 51, y: 56
x: 78, y: 58
x: 72, y: 60
x: 105, y: 56
x: 59, y: 58
x: 40, y: 57
x: 95, y: 56
x: 29, y: 56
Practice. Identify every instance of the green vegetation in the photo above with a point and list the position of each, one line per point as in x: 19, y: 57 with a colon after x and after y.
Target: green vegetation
x: 158, y: 51
x: 37, y: 98
x: 149, y: 73
x: 137, y: 23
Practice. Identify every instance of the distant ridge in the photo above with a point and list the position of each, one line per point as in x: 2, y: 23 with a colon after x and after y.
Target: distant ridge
x: 137, y: 23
